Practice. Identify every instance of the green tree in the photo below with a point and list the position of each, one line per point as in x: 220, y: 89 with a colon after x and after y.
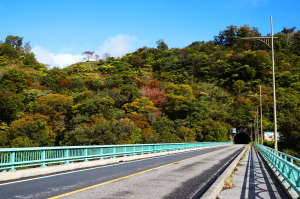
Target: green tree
x: 14, y: 80
x: 161, y: 45
x: 101, y: 133
x: 57, y: 108
x: 10, y: 106
x: 177, y: 95
x: 130, y: 92
x: 220, y: 134
x: 185, y: 134
x: 91, y: 107
x: 31, y: 131
x: 14, y: 41
x: 126, y: 132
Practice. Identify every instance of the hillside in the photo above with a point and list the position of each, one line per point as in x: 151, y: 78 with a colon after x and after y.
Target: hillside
x: 197, y: 93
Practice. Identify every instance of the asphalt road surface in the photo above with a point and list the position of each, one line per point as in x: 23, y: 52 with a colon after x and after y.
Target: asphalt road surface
x: 173, y: 176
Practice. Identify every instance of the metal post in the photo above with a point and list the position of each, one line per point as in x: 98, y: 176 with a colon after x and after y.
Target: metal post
x: 251, y: 132
x: 257, y: 122
x: 254, y: 128
x: 261, y: 129
x: 274, y: 89
x: 266, y: 40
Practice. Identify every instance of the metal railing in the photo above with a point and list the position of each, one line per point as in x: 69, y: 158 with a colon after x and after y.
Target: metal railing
x: 12, y: 158
x: 284, y: 166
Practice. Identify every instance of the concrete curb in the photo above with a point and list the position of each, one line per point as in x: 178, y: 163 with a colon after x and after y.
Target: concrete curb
x: 216, y: 188
x: 13, y: 175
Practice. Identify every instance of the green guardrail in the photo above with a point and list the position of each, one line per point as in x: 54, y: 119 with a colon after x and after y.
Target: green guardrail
x: 12, y: 158
x: 284, y: 164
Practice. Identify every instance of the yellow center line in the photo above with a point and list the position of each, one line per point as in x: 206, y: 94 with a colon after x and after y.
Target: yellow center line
x: 97, y: 185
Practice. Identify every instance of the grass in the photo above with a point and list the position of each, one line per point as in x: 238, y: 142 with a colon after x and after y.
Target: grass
x: 228, y: 183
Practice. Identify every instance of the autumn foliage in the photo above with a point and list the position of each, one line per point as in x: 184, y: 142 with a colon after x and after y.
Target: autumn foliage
x: 192, y: 94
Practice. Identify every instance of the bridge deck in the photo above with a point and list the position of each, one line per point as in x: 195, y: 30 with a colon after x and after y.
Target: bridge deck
x: 253, y: 179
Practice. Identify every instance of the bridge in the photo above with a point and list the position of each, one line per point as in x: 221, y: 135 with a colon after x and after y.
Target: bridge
x: 177, y: 170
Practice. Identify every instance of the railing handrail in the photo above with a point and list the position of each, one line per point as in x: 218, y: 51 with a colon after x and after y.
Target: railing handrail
x: 91, y: 146
x: 285, y: 167
x: 282, y: 153
x: 11, y: 158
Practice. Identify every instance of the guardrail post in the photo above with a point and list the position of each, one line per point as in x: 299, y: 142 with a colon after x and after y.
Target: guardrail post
x: 66, y: 156
x: 43, y: 158
x: 125, y: 151
x: 114, y: 152
x: 85, y: 153
x: 12, y: 160
x: 101, y: 153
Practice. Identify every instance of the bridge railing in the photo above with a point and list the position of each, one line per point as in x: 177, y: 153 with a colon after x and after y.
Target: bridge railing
x: 284, y: 166
x: 12, y: 158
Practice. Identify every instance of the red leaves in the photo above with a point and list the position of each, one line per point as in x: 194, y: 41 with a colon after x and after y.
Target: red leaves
x: 157, y: 96
x: 65, y: 82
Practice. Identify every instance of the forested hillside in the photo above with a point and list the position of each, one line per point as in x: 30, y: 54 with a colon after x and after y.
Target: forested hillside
x: 162, y: 94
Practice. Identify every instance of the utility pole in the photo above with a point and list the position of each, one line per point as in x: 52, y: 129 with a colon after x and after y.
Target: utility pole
x: 267, y: 41
x: 257, y: 121
x: 261, y: 128
x: 274, y: 87
x: 260, y: 103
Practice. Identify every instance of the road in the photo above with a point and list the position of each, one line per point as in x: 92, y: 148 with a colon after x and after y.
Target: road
x: 173, y: 176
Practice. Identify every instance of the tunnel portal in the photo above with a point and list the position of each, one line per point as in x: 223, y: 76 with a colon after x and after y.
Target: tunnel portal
x: 241, y: 138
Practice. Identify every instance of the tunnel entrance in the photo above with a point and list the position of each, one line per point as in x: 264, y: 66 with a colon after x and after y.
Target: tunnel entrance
x: 241, y: 138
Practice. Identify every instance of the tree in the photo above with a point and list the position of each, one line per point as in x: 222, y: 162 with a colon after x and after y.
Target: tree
x: 99, y: 105
x: 288, y: 32
x: 161, y: 45
x: 101, y: 133
x: 126, y: 132
x: 239, y: 85
x: 10, y: 105
x: 156, y: 95
x: 164, y: 123
x: 31, y: 131
x: 14, y: 80
x: 140, y: 105
x: 130, y: 92
x: 88, y: 55
x: 56, y: 107
x: 219, y: 134
x: 177, y: 95
x: 185, y: 134
x: 232, y: 33
x: 53, y: 77
x: 227, y: 37
x: 15, y: 41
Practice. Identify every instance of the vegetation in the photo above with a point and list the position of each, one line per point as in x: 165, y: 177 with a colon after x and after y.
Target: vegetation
x: 196, y: 93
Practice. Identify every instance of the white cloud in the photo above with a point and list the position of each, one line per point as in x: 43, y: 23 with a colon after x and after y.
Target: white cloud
x: 60, y: 60
x: 115, y: 46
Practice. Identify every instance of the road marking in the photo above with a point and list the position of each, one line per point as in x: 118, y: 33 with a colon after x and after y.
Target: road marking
x: 117, y: 179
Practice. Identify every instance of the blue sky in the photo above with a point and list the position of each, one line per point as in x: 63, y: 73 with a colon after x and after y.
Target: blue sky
x: 60, y: 30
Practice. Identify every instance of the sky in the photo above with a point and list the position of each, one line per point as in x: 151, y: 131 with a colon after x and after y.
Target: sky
x: 59, y: 31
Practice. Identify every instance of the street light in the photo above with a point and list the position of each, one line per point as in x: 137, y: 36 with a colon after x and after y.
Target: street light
x: 267, y: 41
x: 274, y: 93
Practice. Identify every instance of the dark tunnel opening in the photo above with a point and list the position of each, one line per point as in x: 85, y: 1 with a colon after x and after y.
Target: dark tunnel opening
x: 241, y: 138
